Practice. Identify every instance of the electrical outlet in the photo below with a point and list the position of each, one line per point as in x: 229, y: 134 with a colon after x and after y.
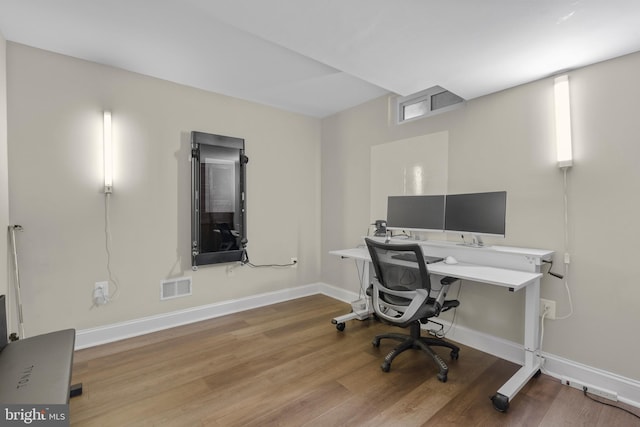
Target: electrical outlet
x: 549, y: 306
x: 101, y: 293
x: 294, y: 262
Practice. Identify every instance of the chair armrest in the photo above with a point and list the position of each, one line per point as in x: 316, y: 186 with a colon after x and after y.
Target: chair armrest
x: 418, y: 298
x: 449, y: 304
x: 442, y: 304
x: 448, y: 280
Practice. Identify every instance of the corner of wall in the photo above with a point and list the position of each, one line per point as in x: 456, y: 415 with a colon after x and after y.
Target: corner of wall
x: 4, y: 166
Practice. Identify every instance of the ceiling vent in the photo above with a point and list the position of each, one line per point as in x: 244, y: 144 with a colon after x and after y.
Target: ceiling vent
x: 426, y: 103
x: 174, y: 288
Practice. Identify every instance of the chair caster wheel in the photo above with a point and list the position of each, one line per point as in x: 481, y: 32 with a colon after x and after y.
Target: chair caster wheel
x: 500, y: 402
x: 454, y: 355
x: 376, y: 343
x: 385, y: 367
x: 340, y: 326
x: 442, y: 378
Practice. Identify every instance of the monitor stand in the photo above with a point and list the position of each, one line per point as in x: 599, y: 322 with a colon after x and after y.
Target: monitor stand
x: 476, y: 242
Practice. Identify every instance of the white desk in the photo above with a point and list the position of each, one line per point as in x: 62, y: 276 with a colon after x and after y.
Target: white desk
x: 511, y: 268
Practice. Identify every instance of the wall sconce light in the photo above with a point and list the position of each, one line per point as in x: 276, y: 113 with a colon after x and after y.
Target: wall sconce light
x: 107, y: 144
x: 563, y: 121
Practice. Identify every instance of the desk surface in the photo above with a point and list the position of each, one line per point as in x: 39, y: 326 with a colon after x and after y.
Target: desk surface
x: 542, y: 253
x: 513, y: 279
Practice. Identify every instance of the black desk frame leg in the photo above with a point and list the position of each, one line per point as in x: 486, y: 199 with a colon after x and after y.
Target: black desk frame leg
x: 75, y: 390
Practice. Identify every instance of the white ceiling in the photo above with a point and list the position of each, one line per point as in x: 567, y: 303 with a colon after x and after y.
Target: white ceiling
x: 320, y: 57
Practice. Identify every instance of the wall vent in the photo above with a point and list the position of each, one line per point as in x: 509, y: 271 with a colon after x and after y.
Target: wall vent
x: 174, y: 288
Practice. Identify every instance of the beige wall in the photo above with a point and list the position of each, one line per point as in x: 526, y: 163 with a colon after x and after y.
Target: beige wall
x: 505, y: 141
x: 55, y: 119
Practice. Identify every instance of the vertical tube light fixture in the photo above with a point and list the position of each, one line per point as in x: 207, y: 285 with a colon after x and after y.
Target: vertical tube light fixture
x: 107, y: 143
x: 563, y: 121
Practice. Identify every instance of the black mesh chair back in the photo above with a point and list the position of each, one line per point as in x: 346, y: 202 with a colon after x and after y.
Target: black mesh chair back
x: 402, y: 292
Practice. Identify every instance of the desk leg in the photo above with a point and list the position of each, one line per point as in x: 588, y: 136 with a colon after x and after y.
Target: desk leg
x: 360, y: 314
x: 532, y: 362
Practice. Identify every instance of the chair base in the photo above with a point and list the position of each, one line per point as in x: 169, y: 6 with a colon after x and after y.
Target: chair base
x: 415, y: 341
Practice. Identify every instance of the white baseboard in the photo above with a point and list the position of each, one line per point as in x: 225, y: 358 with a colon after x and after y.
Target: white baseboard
x: 122, y: 330
x: 628, y: 390
x: 338, y: 293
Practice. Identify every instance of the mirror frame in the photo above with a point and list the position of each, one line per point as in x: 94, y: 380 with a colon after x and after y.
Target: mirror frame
x: 198, y: 257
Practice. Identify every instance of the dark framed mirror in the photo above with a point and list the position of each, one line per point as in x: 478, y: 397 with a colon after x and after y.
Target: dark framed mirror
x: 218, y: 199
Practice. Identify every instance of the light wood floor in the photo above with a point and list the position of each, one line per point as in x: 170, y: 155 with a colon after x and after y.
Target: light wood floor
x: 287, y: 365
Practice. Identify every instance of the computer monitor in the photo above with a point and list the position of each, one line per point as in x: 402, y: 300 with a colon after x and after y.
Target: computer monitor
x: 415, y: 213
x: 476, y: 213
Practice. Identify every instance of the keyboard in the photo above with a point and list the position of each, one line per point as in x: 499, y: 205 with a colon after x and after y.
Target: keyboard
x: 410, y: 256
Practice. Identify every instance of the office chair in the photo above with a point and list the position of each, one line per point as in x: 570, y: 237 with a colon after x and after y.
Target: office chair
x: 229, y: 242
x: 402, y: 296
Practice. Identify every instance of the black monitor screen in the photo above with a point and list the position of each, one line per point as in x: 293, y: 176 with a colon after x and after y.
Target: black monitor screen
x: 481, y: 213
x: 416, y: 212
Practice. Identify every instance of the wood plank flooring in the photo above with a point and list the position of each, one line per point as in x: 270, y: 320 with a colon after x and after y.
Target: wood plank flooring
x: 287, y: 365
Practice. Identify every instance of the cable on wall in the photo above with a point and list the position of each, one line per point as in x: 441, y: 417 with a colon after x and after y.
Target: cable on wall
x: 542, y: 317
x: 566, y: 247
x: 107, y: 234
x: 246, y: 261
x: 16, y: 272
x: 565, y: 276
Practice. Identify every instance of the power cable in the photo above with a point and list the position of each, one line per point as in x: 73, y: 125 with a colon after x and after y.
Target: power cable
x: 585, y: 390
x: 566, y: 247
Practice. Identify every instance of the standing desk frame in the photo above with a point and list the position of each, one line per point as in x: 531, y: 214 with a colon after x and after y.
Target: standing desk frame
x: 512, y: 268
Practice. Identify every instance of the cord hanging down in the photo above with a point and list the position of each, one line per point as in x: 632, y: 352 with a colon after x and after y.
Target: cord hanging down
x: 566, y: 247
x: 107, y: 234
x: 12, y: 230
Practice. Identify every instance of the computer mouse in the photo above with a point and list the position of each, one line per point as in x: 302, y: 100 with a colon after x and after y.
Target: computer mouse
x: 450, y: 260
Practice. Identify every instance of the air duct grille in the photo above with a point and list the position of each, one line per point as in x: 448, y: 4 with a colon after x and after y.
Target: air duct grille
x: 174, y: 288
x: 426, y: 103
